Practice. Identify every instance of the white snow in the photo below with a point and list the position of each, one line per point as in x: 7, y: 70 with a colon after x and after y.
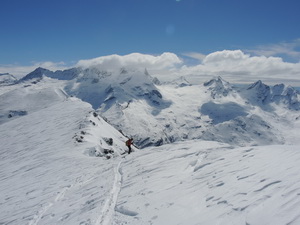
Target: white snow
x: 210, y: 183
x: 46, y: 176
x: 109, y: 207
x: 62, y: 163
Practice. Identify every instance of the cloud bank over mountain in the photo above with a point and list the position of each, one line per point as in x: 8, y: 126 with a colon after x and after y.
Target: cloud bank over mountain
x: 164, y: 61
x: 233, y: 65
x: 237, y: 66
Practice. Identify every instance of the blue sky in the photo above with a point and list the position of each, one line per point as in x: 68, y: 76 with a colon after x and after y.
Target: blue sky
x: 70, y: 30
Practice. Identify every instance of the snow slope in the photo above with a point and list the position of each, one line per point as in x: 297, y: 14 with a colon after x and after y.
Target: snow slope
x: 200, y: 182
x: 47, y: 173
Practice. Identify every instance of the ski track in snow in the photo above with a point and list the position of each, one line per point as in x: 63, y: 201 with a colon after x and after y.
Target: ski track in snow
x: 109, y: 207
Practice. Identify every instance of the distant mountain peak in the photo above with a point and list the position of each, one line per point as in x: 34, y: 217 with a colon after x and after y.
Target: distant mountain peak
x: 260, y: 90
x: 258, y: 85
x: 7, y: 79
x: 285, y: 94
x: 218, y: 87
x: 215, y: 80
x: 41, y: 71
x: 38, y: 73
x: 261, y: 93
x: 181, y: 82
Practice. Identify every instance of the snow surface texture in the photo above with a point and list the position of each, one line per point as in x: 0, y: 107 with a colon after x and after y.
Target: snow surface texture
x: 62, y: 163
x: 210, y: 183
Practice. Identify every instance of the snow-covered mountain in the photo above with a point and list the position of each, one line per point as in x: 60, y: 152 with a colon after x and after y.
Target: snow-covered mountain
x: 38, y: 74
x: 180, y: 82
x: 7, y: 79
x: 228, y: 155
x: 280, y: 94
x: 154, y: 113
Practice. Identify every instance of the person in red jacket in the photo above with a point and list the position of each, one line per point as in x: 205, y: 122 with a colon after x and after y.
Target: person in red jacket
x: 129, y: 142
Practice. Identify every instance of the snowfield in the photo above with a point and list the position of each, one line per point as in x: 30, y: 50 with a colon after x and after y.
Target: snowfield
x: 210, y: 183
x: 46, y: 176
x: 228, y: 156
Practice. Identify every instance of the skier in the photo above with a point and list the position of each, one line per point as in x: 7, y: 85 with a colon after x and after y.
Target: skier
x: 129, y: 142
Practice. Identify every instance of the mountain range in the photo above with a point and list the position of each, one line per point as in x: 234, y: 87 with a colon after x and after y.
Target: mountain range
x: 155, y: 113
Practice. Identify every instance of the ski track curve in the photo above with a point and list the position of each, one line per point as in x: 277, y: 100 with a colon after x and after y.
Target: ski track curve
x: 109, y: 206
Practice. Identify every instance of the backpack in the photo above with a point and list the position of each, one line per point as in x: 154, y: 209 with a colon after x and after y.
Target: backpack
x: 127, y: 142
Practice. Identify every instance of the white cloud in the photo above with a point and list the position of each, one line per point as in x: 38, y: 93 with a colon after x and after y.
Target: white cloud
x: 165, y: 61
x: 236, y: 66
x: 232, y: 65
x: 194, y: 55
x: 284, y: 48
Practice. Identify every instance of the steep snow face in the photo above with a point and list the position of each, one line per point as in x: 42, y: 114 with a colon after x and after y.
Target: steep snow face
x: 286, y: 95
x: 37, y: 74
x: 106, y: 89
x: 260, y: 91
x: 100, y: 139
x: 264, y: 95
x: 218, y: 87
